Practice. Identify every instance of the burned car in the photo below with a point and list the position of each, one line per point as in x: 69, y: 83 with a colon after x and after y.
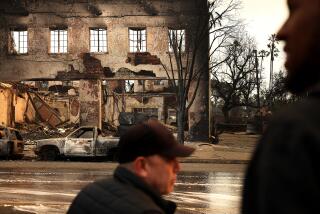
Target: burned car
x: 11, y: 143
x: 85, y: 141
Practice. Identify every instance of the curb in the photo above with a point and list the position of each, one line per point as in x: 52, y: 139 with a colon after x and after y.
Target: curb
x: 215, y: 161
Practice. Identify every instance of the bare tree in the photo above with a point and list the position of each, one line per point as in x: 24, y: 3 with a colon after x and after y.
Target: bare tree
x: 280, y: 95
x: 189, y: 63
x: 235, y: 80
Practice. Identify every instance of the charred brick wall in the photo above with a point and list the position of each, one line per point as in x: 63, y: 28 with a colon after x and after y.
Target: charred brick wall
x: 78, y: 17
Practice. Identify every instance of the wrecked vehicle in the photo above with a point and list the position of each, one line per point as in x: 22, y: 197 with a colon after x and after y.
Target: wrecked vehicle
x: 85, y: 141
x: 11, y: 143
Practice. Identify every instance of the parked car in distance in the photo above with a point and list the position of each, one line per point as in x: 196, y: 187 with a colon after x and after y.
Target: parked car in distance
x: 11, y: 143
x: 85, y: 141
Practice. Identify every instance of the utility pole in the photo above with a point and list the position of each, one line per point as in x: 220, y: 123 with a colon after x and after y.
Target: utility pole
x: 262, y: 54
x: 256, y: 65
x: 273, y: 53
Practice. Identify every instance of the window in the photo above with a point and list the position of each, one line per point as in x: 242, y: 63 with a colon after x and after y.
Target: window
x: 59, y: 41
x: 158, y: 82
x: 18, y: 42
x: 176, y: 40
x: 66, y: 83
x: 172, y: 117
x: 82, y: 133
x: 151, y: 112
x: 42, y: 85
x: 98, y: 40
x: 129, y: 85
x: 137, y: 40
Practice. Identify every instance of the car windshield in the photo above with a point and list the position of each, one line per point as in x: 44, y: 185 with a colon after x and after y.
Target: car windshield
x: 83, y: 133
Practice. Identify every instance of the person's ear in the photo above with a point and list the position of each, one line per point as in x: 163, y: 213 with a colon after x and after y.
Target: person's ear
x: 140, y: 166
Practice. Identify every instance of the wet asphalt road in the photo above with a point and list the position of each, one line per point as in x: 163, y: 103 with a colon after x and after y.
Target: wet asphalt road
x: 49, y: 187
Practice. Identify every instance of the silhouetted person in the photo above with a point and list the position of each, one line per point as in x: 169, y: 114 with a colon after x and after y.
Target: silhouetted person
x: 284, y: 174
x: 148, y: 169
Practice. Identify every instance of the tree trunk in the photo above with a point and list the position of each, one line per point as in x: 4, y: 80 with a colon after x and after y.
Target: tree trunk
x: 180, y: 124
x: 225, y: 112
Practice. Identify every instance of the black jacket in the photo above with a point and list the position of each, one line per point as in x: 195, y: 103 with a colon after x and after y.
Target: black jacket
x: 284, y: 174
x: 125, y: 193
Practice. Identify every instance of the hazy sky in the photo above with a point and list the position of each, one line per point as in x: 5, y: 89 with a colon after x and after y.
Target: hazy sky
x: 263, y: 18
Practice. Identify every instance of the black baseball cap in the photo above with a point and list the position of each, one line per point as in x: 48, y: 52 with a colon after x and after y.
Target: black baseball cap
x: 150, y: 138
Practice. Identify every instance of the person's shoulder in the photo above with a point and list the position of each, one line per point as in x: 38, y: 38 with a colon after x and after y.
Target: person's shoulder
x: 97, y: 188
x: 303, y: 110
x: 293, y: 123
x: 152, y: 212
x: 91, y: 199
x: 293, y: 131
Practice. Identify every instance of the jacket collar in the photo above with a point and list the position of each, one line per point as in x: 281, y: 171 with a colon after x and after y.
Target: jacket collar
x: 315, y: 94
x: 314, y: 91
x: 126, y: 176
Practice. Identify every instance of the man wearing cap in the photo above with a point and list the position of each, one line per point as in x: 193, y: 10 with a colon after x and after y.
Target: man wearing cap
x: 148, y: 168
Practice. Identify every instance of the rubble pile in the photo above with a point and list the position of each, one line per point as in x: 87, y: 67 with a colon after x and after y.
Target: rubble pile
x: 32, y: 132
x: 109, y: 129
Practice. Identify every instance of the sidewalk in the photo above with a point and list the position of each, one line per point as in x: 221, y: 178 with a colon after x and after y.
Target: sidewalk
x: 234, y: 148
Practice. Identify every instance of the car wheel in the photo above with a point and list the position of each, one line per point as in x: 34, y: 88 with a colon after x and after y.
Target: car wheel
x: 48, y: 155
x: 18, y: 156
x: 10, y: 149
x: 112, y: 155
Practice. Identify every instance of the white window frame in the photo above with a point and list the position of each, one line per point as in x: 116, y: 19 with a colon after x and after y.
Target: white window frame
x: 19, y: 41
x: 98, y: 40
x: 175, y: 36
x: 137, y: 40
x: 58, y: 41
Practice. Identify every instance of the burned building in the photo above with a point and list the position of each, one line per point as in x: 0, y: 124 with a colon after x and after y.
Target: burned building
x: 114, y: 50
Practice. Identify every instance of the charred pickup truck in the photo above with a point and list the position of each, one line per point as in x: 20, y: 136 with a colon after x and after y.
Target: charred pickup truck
x: 11, y: 143
x: 85, y: 141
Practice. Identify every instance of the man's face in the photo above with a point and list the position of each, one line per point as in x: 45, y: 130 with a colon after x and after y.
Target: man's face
x: 161, y: 173
x: 301, y: 33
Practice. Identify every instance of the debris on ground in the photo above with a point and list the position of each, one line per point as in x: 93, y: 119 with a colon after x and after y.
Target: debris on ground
x: 32, y: 132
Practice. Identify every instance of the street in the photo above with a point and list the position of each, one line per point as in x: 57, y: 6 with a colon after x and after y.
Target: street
x: 49, y: 187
